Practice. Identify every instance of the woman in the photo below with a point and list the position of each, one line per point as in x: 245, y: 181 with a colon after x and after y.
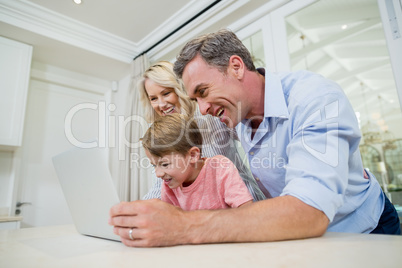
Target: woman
x: 162, y: 94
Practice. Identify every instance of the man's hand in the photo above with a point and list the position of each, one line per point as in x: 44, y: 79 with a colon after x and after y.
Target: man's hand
x: 153, y: 223
x: 156, y: 223
x: 365, y: 175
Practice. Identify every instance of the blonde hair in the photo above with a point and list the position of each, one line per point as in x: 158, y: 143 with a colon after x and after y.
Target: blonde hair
x: 162, y: 74
x: 173, y: 133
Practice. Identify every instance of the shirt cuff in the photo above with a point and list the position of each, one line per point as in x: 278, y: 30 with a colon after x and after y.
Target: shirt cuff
x: 315, y: 194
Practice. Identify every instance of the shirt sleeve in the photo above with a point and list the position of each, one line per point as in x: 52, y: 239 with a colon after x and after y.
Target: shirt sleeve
x: 155, y: 191
x: 325, y: 138
x: 218, y: 139
x: 233, y: 189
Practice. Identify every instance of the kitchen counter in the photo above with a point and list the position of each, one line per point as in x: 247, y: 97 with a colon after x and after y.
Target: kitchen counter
x: 10, y: 218
x: 10, y: 222
x: 62, y: 246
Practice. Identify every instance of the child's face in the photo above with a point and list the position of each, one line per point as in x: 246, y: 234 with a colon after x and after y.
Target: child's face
x: 174, y: 169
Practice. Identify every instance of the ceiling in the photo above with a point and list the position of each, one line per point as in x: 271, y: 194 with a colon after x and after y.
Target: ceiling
x: 101, y: 37
x: 107, y: 34
x: 128, y: 19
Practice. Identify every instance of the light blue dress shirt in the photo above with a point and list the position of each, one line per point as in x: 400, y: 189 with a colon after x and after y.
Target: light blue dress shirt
x: 307, y: 146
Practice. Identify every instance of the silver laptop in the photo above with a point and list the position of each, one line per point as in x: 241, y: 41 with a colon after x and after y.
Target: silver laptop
x: 89, y: 190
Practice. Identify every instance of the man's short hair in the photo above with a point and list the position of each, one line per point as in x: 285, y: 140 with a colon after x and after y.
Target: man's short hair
x: 215, y: 49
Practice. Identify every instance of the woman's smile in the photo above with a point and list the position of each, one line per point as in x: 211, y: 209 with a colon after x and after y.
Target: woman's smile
x: 169, y: 110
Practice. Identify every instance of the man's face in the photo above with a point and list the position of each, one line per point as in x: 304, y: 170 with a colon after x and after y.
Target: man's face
x: 216, y: 93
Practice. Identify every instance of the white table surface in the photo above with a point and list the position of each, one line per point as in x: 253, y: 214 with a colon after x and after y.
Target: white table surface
x: 62, y: 246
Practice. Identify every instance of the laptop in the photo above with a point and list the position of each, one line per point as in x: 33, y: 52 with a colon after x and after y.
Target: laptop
x: 88, y: 189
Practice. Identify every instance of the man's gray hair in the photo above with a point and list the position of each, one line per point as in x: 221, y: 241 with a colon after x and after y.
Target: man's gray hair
x: 215, y: 49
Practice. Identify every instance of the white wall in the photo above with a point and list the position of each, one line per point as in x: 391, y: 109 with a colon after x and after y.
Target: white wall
x: 6, y: 183
x: 52, y: 94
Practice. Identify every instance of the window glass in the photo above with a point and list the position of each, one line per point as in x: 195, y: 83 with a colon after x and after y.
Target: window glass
x: 344, y: 41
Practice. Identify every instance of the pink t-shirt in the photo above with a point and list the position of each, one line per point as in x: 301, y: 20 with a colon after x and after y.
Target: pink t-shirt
x: 218, y: 185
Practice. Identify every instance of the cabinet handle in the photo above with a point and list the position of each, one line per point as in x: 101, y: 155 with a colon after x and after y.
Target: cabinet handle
x: 20, y: 204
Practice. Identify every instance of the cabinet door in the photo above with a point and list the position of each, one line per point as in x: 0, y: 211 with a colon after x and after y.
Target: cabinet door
x: 15, y: 66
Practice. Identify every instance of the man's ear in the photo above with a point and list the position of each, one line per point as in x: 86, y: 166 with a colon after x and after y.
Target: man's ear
x: 195, y: 154
x: 236, y: 67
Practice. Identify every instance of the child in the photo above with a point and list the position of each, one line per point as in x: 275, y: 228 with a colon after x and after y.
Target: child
x: 173, y: 146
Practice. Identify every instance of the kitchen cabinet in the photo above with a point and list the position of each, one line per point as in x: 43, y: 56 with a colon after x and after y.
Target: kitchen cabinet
x: 15, y: 65
x: 10, y: 223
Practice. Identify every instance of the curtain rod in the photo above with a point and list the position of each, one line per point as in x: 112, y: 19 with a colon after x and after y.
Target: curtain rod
x: 178, y: 28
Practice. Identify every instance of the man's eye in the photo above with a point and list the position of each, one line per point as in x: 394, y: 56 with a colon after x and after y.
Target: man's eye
x: 165, y: 165
x: 202, y: 91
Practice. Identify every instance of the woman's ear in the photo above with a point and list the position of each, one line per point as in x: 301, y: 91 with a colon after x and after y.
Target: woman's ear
x: 195, y: 154
x: 236, y: 66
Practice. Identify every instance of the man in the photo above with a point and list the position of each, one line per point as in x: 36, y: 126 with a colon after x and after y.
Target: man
x: 302, y: 138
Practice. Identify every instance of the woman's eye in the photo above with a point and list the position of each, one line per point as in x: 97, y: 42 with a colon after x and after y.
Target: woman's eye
x: 165, y: 165
x: 166, y: 93
x: 152, y: 99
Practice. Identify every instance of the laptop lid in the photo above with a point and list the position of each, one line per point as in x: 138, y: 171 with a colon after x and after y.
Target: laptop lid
x: 88, y: 189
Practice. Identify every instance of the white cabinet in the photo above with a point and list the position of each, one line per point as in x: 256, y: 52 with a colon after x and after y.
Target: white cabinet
x: 10, y: 223
x: 15, y: 65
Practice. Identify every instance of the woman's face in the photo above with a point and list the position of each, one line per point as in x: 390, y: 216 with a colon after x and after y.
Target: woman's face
x: 164, y: 100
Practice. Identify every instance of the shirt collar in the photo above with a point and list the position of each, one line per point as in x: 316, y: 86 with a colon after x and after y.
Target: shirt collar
x: 274, y: 107
x: 274, y: 100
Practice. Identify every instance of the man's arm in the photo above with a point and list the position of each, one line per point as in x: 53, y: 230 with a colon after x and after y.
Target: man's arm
x: 156, y: 223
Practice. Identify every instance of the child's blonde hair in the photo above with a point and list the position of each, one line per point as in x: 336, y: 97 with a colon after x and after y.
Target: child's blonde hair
x: 174, y: 133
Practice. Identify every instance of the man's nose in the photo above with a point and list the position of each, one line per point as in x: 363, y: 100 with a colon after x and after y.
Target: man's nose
x: 205, y: 107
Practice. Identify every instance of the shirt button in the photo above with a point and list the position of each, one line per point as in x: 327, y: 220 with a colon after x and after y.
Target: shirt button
x: 257, y: 179
x: 251, y: 153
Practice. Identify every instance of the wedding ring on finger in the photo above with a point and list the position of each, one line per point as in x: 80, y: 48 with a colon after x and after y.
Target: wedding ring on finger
x: 130, y: 234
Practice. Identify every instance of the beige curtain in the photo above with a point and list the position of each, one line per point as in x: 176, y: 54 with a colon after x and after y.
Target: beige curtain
x: 128, y: 163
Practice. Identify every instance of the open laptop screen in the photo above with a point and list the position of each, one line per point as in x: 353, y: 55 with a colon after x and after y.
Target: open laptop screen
x: 88, y: 188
